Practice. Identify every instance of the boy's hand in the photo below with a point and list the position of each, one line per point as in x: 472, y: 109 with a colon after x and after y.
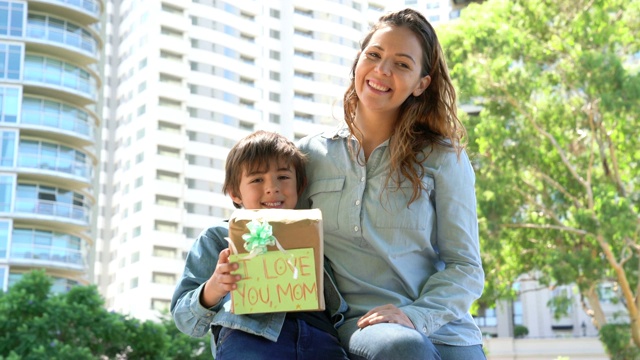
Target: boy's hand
x: 385, y: 314
x: 221, y: 281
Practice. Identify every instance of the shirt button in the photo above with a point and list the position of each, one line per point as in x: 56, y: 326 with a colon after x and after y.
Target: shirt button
x: 357, y: 202
x: 355, y: 228
x: 424, y: 329
x: 362, y: 179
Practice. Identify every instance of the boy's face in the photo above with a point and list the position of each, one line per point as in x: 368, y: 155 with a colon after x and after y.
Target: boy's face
x: 269, y: 188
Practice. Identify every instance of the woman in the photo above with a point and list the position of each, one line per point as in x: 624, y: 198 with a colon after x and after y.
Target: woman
x: 396, y: 190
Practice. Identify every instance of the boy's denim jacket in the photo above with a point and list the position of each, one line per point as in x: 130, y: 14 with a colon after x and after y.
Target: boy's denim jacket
x: 195, y: 320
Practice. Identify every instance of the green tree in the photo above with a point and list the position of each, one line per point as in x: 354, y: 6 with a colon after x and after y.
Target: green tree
x: 36, y: 324
x: 556, y: 145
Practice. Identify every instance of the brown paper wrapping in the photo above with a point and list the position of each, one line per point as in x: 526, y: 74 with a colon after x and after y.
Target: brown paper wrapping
x: 294, y: 229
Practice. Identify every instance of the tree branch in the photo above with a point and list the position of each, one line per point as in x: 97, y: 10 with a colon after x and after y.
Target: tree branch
x: 553, y: 141
x: 559, y: 187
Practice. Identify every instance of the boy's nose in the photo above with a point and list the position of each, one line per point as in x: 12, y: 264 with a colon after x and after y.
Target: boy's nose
x: 272, y: 187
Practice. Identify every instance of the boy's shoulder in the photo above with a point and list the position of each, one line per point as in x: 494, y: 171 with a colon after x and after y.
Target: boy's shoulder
x: 217, y: 230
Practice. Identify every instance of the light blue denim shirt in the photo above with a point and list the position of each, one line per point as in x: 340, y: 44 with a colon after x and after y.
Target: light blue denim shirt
x: 424, y: 258
x: 195, y: 320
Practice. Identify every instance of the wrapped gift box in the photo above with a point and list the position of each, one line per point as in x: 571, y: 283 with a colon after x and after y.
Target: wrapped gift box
x: 289, y: 278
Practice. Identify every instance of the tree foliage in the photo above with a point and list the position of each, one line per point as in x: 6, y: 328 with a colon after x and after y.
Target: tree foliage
x: 557, y: 142
x: 36, y: 324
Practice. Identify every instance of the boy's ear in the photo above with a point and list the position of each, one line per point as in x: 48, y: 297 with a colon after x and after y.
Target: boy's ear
x: 235, y: 199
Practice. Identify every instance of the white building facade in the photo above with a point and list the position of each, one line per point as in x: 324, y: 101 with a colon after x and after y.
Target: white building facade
x: 50, y: 75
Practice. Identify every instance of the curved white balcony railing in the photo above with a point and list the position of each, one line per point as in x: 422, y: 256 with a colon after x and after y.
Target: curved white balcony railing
x: 55, y: 163
x: 52, y: 208
x: 82, y: 41
x: 59, y: 73
x: 47, y: 253
x: 62, y: 121
x: 90, y: 6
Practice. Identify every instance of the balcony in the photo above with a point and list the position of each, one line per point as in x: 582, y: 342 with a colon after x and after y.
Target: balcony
x: 82, y: 11
x: 81, y: 169
x: 54, y: 120
x: 53, y: 209
x: 52, y: 35
x: 53, y: 256
x: 48, y: 77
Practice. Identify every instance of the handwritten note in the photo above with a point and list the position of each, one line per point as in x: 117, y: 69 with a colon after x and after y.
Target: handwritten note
x: 268, y: 283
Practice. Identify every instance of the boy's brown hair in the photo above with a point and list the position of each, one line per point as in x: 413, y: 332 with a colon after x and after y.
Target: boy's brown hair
x: 255, y: 152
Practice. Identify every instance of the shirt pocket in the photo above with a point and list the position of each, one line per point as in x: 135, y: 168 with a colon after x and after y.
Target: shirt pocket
x: 325, y: 194
x: 393, y: 212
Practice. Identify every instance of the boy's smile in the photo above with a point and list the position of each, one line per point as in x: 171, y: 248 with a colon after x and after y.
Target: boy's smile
x: 268, y: 187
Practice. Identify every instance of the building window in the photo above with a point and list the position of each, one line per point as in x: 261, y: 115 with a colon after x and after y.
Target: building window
x: 168, y: 151
x: 10, y: 61
x: 164, y: 278
x: 136, y: 231
x: 7, y: 148
x: 134, y: 283
x: 168, y: 127
x: 164, y: 252
x: 274, y: 33
x: 167, y: 176
x: 11, y: 18
x: 160, y: 305
x: 4, y: 241
x: 274, y: 97
x: 166, y: 201
x: 166, y: 226
x: 9, y: 104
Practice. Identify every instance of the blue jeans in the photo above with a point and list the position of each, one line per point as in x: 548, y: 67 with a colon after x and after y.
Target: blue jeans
x: 393, y: 341
x: 297, y: 340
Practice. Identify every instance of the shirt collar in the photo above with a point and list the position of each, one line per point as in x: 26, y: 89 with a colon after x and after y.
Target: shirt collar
x: 341, y: 131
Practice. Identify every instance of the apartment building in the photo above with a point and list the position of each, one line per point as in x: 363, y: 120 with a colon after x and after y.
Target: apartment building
x: 50, y: 76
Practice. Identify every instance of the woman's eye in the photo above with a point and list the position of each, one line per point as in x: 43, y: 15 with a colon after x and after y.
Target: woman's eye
x: 403, y: 65
x: 373, y: 55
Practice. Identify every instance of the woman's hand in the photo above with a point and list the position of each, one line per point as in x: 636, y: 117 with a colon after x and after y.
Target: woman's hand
x: 385, y: 314
x: 221, y: 281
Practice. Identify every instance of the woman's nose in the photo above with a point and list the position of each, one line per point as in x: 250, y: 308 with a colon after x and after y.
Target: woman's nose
x: 384, y: 68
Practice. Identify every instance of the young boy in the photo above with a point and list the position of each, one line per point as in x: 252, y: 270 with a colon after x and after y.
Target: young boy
x: 263, y: 170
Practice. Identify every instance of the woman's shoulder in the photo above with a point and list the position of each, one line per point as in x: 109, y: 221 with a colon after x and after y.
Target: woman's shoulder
x: 318, y: 139
x: 445, y: 155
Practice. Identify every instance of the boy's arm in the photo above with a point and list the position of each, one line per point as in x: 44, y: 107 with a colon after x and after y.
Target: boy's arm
x: 188, y: 313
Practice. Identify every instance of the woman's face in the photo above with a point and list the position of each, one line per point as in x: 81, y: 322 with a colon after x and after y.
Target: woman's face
x: 388, y: 70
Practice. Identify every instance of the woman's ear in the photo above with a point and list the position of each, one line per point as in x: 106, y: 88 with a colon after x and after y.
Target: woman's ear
x: 422, y: 86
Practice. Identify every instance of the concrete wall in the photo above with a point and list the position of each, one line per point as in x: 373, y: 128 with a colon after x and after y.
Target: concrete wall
x: 583, y: 348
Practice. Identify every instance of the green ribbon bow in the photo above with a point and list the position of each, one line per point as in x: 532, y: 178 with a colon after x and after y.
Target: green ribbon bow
x: 259, y: 237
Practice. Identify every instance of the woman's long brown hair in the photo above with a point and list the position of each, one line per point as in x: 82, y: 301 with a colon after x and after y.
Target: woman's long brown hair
x: 427, y: 120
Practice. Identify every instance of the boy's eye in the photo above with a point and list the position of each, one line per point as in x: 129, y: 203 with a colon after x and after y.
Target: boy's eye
x: 284, y: 177
x: 255, y: 180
